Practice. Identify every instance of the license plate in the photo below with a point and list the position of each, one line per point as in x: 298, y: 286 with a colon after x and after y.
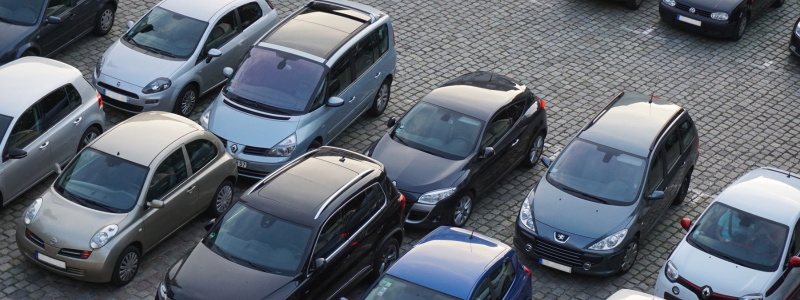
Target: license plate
x: 241, y: 164
x: 51, y: 261
x: 555, y: 265
x: 689, y: 20
x: 116, y: 96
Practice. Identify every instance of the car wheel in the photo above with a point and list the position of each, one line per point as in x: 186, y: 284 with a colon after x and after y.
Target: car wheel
x: 223, y: 199
x: 314, y: 146
x: 104, y: 21
x: 381, y: 99
x: 184, y: 105
x: 633, y: 4
x: 683, y: 191
x: 631, y: 253
x: 741, y: 27
x: 126, y: 267
x: 88, y: 136
x: 778, y: 3
x: 534, y: 151
x: 386, y: 256
x: 462, y: 210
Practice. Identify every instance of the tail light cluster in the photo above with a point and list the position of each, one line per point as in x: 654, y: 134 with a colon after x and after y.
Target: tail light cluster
x: 271, y: 6
x: 99, y: 101
x: 402, y: 201
x: 527, y: 271
x: 541, y: 102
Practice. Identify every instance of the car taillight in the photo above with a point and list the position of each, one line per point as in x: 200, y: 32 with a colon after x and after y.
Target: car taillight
x: 402, y: 201
x: 527, y: 271
x: 271, y: 6
x: 541, y: 102
x: 99, y: 101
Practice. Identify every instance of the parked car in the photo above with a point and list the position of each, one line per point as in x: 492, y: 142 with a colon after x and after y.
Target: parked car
x: 458, y: 141
x: 123, y: 194
x: 745, y: 245
x: 452, y: 263
x: 625, y: 294
x: 176, y: 53
x: 304, y: 83
x: 609, y: 186
x: 310, y: 230
x: 794, y: 41
x: 724, y: 19
x: 43, y: 27
x: 48, y: 113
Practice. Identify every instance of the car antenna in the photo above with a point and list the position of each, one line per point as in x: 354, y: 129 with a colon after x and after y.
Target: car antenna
x: 471, y: 233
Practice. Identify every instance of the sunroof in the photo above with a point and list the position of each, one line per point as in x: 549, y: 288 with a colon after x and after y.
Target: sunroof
x: 316, y: 32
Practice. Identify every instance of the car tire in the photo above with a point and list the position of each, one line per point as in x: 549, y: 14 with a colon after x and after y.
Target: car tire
x: 88, y: 136
x: 126, y: 267
x: 104, y: 21
x: 222, y: 199
x: 535, y: 150
x: 633, y: 4
x: 462, y: 210
x: 386, y: 256
x: 741, y: 27
x: 186, y: 101
x: 631, y: 253
x: 315, y: 144
x: 381, y: 100
x: 778, y: 3
x: 683, y: 191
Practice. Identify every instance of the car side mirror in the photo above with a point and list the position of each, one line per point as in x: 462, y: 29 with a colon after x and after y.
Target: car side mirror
x: 129, y: 24
x: 155, y: 204
x: 656, y: 195
x: 227, y: 72
x: 319, y: 263
x: 335, y: 101
x: 487, y: 152
x: 794, y: 262
x: 686, y: 223
x: 16, y: 153
x: 546, y: 162
x: 52, y: 20
x: 212, y: 53
x: 58, y: 169
x: 392, y: 121
x: 210, y: 224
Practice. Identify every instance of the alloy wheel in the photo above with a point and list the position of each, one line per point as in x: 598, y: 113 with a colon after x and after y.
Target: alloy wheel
x: 128, y: 267
x: 187, y: 103
x: 89, y: 138
x: 388, y: 257
x: 630, y: 255
x: 536, y: 149
x: 462, y: 211
x: 383, y: 97
x: 224, y: 198
x: 106, y: 19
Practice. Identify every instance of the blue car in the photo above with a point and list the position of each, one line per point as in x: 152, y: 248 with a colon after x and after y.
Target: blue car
x: 454, y: 263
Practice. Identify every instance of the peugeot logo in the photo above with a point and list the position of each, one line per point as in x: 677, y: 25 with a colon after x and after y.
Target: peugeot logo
x: 706, y: 292
x: 118, y: 83
x: 53, y: 240
x: 234, y: 148
x: 560, y: 237
x: 692, y: 10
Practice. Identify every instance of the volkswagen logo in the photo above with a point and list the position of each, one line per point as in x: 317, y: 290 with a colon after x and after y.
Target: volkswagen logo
x: 234, y: 148
x: 118, y: 83
x: 53, y: 240
x: 692, y: 10
x: 560, y: 237
x: 706, y: 292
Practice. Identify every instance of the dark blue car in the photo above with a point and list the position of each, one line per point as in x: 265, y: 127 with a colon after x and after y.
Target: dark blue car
x: 454, y: 263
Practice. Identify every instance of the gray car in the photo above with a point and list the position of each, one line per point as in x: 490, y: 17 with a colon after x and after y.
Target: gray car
x: 48, y: 113
x: 177, y: 51
x: 303, y: 83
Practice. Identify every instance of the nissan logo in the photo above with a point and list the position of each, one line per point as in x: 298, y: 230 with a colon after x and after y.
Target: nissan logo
x: 560, y: 237
x: 53, y: 240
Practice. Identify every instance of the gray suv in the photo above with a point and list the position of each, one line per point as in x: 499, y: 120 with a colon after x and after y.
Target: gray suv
x: 306, y: 80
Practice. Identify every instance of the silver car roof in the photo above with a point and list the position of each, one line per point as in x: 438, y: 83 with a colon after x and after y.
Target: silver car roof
x: 769, y: 193
x: 28, y: 79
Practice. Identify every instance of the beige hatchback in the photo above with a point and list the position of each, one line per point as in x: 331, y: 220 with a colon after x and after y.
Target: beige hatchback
x: 123, y: 194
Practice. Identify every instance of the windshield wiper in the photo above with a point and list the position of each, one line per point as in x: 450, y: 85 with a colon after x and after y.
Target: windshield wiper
x: 156, y: 50
x: 84, y: 201
x: 590, y: 197
x: 231, y: 258
x: 247, y: 102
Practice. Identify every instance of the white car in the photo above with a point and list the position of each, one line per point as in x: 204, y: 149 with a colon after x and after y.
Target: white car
x: 744, y: 245
x: 625, y: 294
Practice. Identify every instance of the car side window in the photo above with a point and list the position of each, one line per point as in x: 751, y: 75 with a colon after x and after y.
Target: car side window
x: 687, y: 132
x: 249, y: 14
x: 383, y: 39
x: 672, y: 149
x: 794, y: 245
x: 361, y: 208
x: 200, y: 153
x: 340, y: 77
x: 484, y: 291
x: 501, y: 123
x: 501, y: 279
x: 55, y: 107
x: 56, y: 7
x: 74, y: 97
x: 29, y: 126
x: 319, y: 99
x: 366, y: 53
x: 656, y: 174
x: 226, y: 28
x: 330, y: 237
x: 169, y: 174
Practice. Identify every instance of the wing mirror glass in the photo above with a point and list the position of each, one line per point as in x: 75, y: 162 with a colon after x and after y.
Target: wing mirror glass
x: 53, y: 20
x: 686, y: 223
x: 546, y: 162
x: 487, y: 152
x: 227, y: 72
x: 16, y: 153
x: 129, y: 24
x: 335, y: 101
x: 794, y: 262
x: 210, y: 224
x: 58, y: 169
x: 656, y: 195
x: 155, y: 204
x: 320, y: 262
x: 392, y: 121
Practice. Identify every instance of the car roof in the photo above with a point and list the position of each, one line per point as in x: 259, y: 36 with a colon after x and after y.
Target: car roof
x: 197, y: 9
x: 634, y: 114
x: 141, y: 138
x: 478, y: 94
x: 450, y: 260
x: 28, y: 79
x: 298, y: 192
x: 320, y: 28
x: 625, y: 294
x: 761, y: 191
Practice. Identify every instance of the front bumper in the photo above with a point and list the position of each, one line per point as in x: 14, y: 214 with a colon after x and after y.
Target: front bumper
x: 708, y: 26
x: 254, y: 166
x: 428, y: 215
x: 794, y: 45
x: 135, y: 101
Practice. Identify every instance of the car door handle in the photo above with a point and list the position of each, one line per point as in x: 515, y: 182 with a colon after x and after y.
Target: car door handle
x: 44, y: 146
x: 515, y: 143
x: 190, y: 190
x: 378, y: 75
x: 352, y: 99
x: 241, y: 42
x: 78, y: 121
x: 72, y: 16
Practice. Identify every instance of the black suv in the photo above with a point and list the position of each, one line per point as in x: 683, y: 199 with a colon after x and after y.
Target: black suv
x: 308, y: 231
x: 609, y: 186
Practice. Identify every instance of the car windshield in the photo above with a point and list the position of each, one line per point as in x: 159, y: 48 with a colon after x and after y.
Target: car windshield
x: 167, y: 33
x: 275, y: 82
x: 599, y: 173
x: 21, y: 12
x: 258, y: 240
x: 101, y: 181
x: 438, y: 131
x: 393, y: 288
x: 740, y: 237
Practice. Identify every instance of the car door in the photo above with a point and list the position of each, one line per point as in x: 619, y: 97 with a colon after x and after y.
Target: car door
x: 252, y: 14
x: 57, y: 110
x: 201, y: 153
x: 85, y: 14
x: 784, y: 286
x: 226, y: 36
x: 27, y: 133
x: 498, y: 135
x: 365, y: 55
x: 168, y: 184
x: 655, y: 182
x: 520, y: 137
x: 675, y: 163
x: 339, y: 84
x: 321, y: 280
x: 52, y: 36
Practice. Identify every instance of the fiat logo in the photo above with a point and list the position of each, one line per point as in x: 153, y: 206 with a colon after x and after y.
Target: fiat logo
x: 234, y: 148
x: 53, y: 240
x: 692, y: 10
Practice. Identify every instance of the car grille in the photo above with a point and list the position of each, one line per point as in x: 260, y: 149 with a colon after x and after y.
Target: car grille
x: 34, y: 239
x: 698, y: 291
x: 122, y: 105
x: 118, y: 90
x: 698, y: 12
x: 558, y: 253
x: 250, y: 150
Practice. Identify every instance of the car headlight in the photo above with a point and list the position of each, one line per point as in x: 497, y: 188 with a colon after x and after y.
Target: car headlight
x: 669, y: 2
x: 797, y: 29
x: 285, y: 148
x: 525, y: 214
x: 752, y: 297
x: 162, y: 290
x: 32, y: 211
x: 719, y: 16
x: 158, y: 85
x: 671, y: 271
x: 99, y: 65
x: 205, y: 118
x: 434, y: 197
x: 103, y: 236
x: 610, y: 241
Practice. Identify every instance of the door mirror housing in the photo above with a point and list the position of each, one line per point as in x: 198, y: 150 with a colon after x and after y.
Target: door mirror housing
x: 129, y: 24
x: 319, y: 263
x: 794, y: 262
x: 656, y: 195
x: 487, y: 152
x: 227, y: 72
x: 392, y: 121
x: 52, y: 20
x: 155, y: 204
x: 212, y: 53
x: 686, y: 223
x: 58, y: 169
x: 210, y: 224
x: 16, y: 153
x: 546, y: 162
x: 335, y: 102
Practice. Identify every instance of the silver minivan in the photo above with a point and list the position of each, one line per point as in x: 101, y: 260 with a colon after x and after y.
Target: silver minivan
x: 303, y: 83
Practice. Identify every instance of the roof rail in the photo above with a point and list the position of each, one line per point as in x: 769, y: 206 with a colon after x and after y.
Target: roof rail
x: 272, y: 175
x: 372, y: 18
x: 666, y: 126
x: 341, y: 190
x: 602, y: 112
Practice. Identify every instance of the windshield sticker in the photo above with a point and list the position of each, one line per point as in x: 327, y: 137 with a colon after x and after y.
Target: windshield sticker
x: 399, y: 128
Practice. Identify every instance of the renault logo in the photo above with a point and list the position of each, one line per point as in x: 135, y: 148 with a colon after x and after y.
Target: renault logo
x: 234, y: 148
x: 706, y: 292
x: 692, y: 10
x: 560, y: 237
x: 53, y: 240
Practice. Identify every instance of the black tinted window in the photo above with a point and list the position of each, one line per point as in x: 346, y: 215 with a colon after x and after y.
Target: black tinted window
x: 56, y: 7
x: 687, y: 133
x: 361, y: 208
x: 794, y: 247
x: 29, y: 126
x: 366, y: 52
x: 501, y: 123
x: 672, y: 148
x: 169, y: 174
x: 249, y: 13
x: 200, y: 153
x: 656, y: 174
x: 500, y: 280
x: 20, y: 12
x: 340, y: 77
x: 74, y: 97
x: 330, y: 237
x: 55, y: 107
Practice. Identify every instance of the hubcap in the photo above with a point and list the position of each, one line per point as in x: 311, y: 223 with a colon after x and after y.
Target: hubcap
x: 187, y: 104
x: 106, y: 20
x: 462, y: 211
x: 128, y: 266
x: 383, y: 97
x: 89, y: 138
x: 387, y: 258
x: 224, y: 198
x: 630, y: 255
x: 536, y: 149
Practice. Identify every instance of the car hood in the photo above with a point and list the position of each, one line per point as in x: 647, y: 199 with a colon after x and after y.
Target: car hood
x: 712, y: 5
x: 414, y: 170
x: 251, y: 130
x: 10, y: 35
x: 72, y: 224
x: 738, y: 280
x: 134, y: 67
x: 206, y: 275
x: 575, y: 215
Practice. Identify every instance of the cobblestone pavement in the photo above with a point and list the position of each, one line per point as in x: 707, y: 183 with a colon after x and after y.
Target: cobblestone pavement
x: 576, y: 55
